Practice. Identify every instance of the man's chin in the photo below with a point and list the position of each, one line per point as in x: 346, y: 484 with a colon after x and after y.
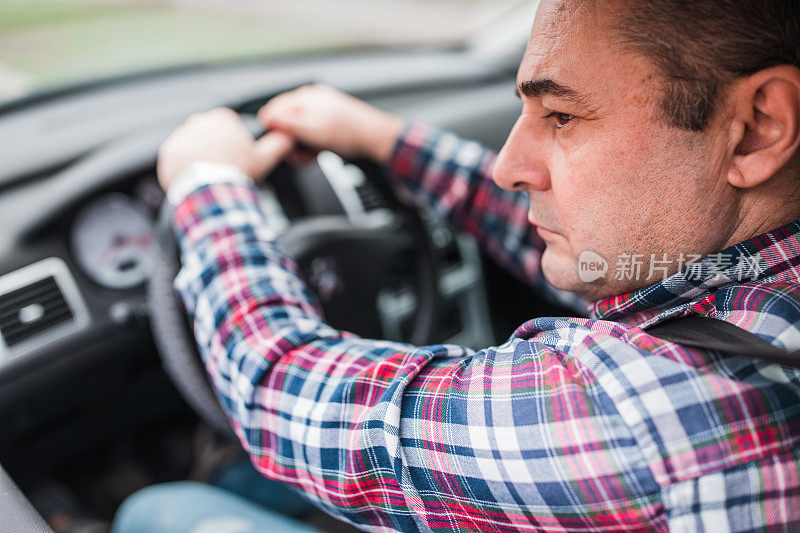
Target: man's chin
x: 563, y: 272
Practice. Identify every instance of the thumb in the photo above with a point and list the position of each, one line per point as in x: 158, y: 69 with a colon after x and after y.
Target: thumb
x: 268, y: 151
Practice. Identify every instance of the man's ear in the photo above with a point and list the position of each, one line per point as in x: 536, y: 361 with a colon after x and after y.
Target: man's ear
x: 765, y: 131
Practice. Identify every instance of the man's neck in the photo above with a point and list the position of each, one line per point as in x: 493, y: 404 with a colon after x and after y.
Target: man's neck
x: 766, y: 207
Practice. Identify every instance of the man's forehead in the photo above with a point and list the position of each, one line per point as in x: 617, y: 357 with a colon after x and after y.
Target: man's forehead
x: 565, y: 45
x: 559, y: 36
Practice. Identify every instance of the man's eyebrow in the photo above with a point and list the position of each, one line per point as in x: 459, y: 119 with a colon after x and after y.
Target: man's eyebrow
x: 539, y: 88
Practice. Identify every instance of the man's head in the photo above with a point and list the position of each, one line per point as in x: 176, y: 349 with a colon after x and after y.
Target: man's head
x: 655, y: 127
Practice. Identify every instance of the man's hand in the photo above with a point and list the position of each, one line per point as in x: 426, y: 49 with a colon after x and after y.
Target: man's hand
x: 323, y: 118
x: 219, y: 136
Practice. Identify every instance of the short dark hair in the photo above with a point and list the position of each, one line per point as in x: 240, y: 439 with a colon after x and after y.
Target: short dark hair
x: 701, y: 46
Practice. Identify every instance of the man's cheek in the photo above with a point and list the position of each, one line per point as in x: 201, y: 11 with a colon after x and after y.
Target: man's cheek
x: 579, y: 139
x: 594, y: 214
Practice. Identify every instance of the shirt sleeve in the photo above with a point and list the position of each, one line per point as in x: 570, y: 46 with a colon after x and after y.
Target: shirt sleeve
x: 390, y: 436
x: 451, y: 178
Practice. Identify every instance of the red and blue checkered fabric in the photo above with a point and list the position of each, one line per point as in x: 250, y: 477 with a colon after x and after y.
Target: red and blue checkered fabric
x: 573, y: 424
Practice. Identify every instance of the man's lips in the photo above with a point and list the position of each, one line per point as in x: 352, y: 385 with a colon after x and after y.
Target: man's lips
x: 543, y: 231
x: 545, y: 234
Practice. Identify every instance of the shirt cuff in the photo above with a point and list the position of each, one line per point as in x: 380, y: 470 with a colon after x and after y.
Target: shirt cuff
x: 200, y: 174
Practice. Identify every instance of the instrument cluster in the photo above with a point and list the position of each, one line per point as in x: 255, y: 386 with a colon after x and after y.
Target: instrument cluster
x: 113, y: 235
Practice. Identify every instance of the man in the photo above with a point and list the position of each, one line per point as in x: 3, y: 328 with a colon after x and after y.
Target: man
x: 657, y: 129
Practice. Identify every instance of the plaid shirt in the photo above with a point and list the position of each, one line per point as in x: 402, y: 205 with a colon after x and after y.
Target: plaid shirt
x: 573, y: 424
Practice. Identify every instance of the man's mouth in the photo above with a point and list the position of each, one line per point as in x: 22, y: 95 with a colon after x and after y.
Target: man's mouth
x: 545, y: 233
x: 540, y: 228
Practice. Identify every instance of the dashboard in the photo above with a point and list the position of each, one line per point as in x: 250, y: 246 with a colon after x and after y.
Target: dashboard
x: 94, y: 251
x: 105, y: 243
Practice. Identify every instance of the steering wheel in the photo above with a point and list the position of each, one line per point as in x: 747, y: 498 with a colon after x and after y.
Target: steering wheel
x: 344, y: 262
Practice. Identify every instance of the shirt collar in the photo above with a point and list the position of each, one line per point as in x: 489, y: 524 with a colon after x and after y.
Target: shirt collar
x: 772, y: 256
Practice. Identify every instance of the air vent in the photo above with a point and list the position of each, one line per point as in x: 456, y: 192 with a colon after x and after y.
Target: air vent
x: 32, y: 310
x: 37, y: 304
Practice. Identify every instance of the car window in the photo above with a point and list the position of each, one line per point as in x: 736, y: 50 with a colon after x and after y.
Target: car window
x: 46, y: 43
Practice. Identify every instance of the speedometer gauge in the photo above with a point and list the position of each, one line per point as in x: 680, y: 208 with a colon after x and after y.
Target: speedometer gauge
x: 113, y: 239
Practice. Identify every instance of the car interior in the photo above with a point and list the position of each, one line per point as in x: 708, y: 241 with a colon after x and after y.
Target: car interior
x: 91, y: 409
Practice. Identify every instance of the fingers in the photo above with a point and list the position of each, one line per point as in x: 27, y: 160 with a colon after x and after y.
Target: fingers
x: 289, y: 120
x: 321, y: 118
x: 219, y: 135
x: 302, y: 156
x: 268, y: 151
x: 284, y: 110
x: 279, y: 105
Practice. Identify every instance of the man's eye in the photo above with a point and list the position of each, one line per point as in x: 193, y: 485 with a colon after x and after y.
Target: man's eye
x: 562, y: 119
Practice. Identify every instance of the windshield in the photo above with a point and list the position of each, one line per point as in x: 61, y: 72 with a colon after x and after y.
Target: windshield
x: 47, y: 43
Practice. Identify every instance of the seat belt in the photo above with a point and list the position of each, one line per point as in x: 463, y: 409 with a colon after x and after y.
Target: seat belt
x: 712, y: 334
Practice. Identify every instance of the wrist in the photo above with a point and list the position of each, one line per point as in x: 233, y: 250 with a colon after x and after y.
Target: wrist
x: 201, y: 173
x: 381, y: 137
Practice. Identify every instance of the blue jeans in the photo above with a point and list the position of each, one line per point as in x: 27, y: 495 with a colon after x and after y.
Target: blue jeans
x: 191, y: 507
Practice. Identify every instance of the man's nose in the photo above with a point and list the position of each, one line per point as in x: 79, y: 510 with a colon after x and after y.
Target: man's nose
x: 522, y: 163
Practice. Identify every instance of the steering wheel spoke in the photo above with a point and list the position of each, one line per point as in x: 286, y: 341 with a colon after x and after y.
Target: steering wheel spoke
x: 345, y: 266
